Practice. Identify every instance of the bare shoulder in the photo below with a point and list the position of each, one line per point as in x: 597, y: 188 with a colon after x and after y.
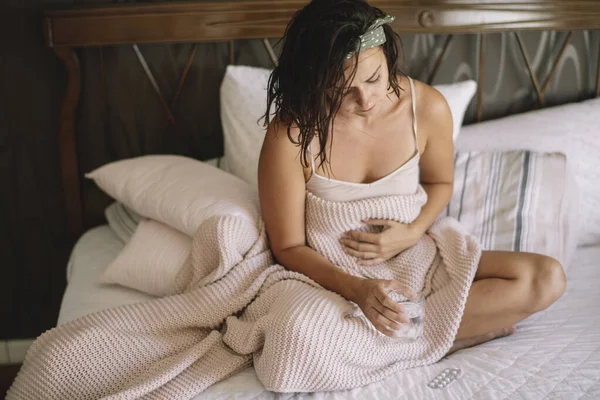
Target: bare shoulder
x: 281, y: 148
x: 278, y: 151
x: 277, y: 131
x: 277, y: 140
x: 433, y: 112
x: 430, y: 102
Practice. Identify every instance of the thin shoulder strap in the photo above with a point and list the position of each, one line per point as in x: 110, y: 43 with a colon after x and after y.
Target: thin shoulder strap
x: 414, y: 109
x: 312, y: 159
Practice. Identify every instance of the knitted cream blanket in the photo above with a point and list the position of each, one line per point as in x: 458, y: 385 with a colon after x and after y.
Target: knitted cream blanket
x: 235, y: 307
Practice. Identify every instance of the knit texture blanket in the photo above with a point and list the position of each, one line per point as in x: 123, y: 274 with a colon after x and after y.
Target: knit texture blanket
x: 234, y: 306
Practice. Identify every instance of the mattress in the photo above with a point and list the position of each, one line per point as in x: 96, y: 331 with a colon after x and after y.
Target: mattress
x: 554, y: 354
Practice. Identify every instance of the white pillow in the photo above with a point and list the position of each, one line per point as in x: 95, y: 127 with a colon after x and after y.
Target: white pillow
x: 122, y: 220
x: 459, y: 96
x: 573, y: 129
x: 244, y: 100
x: 178, y: 191
x: 517, y: 201
x: 151, y: 260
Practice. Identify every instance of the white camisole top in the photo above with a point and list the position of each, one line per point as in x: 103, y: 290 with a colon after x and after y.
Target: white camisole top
x: 401, y: 181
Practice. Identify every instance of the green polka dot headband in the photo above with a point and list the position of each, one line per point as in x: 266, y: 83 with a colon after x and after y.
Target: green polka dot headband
x: 373, y: 37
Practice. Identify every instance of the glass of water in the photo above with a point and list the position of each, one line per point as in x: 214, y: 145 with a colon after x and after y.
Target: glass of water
x: 415, y: 312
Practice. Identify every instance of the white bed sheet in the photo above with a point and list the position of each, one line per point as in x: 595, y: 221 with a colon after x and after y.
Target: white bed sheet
x: 553, y: 355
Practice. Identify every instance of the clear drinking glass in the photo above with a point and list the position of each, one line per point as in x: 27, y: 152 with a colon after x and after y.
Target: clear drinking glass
x: 415, y: 311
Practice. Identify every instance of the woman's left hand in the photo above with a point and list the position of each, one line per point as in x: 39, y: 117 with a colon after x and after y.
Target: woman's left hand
x: 375, y: 248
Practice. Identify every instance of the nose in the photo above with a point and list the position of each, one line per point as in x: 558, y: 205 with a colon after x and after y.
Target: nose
x: 365, y: 100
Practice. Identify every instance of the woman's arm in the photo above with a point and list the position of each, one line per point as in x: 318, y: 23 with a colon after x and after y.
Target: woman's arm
x: 281, y: 184
x: 437, y: 159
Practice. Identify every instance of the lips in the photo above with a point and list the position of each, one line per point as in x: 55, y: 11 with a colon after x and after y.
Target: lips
x: 364, y: 111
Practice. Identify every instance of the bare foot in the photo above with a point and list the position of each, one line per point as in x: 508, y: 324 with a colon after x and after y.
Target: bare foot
x: 474, y: 341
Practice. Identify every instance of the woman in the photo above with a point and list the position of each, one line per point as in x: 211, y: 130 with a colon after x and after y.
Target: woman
x: 351, y: 139
x: 345, y: 128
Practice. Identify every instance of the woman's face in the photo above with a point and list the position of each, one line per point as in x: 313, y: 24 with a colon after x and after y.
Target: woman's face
x: 369, y: 87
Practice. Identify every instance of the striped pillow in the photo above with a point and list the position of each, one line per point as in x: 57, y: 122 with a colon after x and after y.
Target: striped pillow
x: 122, y: 220
x: 517, y: 201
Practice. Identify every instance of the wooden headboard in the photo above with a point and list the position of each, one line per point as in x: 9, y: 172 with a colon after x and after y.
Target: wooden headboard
x: 192, y: 22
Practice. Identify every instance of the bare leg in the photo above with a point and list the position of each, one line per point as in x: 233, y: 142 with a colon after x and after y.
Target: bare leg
x: 508, y: 287
x: 474, y: 341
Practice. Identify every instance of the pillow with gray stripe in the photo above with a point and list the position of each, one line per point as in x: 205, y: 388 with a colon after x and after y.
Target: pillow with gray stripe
x: 517, y: 201
x: 122, y: 220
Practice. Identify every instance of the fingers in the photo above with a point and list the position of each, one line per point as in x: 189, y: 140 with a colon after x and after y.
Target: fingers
x: 382, y: 323
x: 395, y: 316
x: 389, y: 303
x: 367, y: 254
x: 362, y: 247
x: 359, y: 254
x: 390, y: 309
x: 366, y: 237
x: 386, y: 315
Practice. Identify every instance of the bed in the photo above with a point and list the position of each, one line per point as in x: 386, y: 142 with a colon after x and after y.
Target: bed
x: 555, y: 354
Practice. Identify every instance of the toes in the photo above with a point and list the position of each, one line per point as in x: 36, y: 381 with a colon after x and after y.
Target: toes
x: 510, y: 330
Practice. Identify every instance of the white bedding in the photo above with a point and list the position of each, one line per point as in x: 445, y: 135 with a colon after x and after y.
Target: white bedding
x: 553, y: 355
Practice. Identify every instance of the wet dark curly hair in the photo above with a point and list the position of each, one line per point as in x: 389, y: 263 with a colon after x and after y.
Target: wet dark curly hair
x: 306, y: 87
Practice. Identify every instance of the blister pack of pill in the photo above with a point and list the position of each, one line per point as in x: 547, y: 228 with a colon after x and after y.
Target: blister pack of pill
x: 445, y: 378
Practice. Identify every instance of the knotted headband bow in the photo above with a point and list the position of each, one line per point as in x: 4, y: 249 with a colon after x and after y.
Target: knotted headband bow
x: 373, y: 37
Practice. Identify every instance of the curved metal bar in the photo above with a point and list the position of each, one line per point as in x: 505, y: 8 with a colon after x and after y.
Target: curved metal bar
x: 556, y: 62
x: 438, y: 61
x: 534, y: 80
x: 270, y: 51
x: 150, y: 76
x: 184, y: 74
x: 481, y: 76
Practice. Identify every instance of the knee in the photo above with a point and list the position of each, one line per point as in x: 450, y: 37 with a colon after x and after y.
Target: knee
x: 547, y: 283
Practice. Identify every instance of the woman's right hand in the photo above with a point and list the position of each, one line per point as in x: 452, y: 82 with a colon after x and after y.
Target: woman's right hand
x: 371, y: 295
